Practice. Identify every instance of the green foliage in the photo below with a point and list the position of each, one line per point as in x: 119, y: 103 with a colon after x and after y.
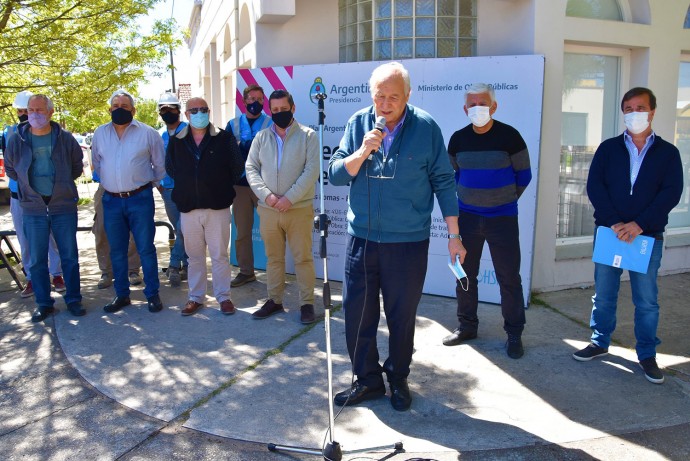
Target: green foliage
x: 147, y: 112
x: 78, y: 53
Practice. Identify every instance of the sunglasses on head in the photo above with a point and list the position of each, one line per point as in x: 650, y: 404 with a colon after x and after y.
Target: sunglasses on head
x: 196, y: 110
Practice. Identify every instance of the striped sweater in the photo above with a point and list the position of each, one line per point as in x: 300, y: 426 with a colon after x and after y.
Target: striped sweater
x: 492, y: 169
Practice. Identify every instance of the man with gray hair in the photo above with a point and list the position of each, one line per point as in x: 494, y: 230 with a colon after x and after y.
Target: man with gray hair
x: 45, y: 160
x: 394, y: 158
x: 129, y: 158
x: 492, y: 171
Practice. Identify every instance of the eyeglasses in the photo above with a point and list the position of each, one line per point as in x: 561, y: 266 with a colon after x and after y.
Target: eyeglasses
x: 196, y: 110
x: 384, y: 167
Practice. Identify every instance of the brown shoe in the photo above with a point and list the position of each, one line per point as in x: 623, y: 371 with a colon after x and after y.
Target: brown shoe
x: 268, y: 309
x: 227, y: 307
x: 191, y: 308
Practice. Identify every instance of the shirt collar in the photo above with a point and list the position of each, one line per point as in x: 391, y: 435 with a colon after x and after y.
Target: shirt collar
x: 649, y: 140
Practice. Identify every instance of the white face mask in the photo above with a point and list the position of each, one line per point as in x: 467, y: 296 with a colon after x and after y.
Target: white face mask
x: 636, y: 122
x: 479, y: 115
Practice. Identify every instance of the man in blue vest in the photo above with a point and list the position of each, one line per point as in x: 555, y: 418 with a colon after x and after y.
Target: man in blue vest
x: 245, y: 128
x: 169, y: 110
x: 21, y: 102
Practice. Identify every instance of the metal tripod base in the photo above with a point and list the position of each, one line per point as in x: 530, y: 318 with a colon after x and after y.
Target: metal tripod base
x: 332, y: 452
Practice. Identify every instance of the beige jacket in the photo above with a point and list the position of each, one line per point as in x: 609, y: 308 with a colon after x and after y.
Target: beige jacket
x: 298, y: 172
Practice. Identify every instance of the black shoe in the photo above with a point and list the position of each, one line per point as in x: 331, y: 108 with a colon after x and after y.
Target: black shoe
x: 117, y: 303
x: 459, y: 336
x: 358, y: 393
x: 651, y: 370
x: 155, y: 304
x: 268, y: 309
x: 400, y: 395
x: 76, y: 309
x: 514, y: 347
x: 589, y: 352
x: 307, y: 314
x: 41, y: 314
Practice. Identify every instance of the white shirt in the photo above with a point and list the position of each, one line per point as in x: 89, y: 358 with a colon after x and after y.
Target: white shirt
x: 131, y: 162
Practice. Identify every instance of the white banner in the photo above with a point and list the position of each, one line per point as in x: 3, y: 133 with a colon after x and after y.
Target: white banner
x: 438, y: 87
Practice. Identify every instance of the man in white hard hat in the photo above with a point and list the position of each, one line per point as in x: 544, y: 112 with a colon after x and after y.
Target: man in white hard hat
x: 169, y: 110
x: 21, y: 104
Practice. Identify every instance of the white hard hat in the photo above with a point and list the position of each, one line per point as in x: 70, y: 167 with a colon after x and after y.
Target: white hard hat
x: 21, y: 101
x: 120, y: 92
x: 169, y: 100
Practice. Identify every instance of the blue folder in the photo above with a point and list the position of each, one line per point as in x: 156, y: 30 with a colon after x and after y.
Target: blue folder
x: 633, y: 256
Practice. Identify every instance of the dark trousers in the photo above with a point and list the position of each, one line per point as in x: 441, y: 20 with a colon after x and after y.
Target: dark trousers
x: 503, y: 237
x: 397, y: 271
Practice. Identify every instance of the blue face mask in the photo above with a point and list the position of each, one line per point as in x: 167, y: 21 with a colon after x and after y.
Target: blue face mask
x: 199, y: 120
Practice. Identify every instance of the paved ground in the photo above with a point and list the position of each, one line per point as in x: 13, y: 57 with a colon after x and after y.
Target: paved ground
x: 136, y: 385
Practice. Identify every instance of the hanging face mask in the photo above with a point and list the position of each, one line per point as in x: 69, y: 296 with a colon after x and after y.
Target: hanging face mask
x: 636, y: 122
x: 254, y: 108
x: 37, y: 120
x: 199, y: 120
x: 121, y: 116
x: 479, y: 115
x: 23, y: 118
x: 170, y: 118
x: 282, y: 119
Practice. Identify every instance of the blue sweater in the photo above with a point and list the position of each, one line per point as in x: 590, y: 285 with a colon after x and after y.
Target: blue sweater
x: 657, y: 189
x: 399, y: 209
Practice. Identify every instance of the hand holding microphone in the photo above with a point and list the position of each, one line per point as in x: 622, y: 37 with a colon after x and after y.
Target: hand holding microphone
x: 377, y: 133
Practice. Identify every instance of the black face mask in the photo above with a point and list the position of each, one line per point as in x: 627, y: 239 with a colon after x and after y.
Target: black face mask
x: 282, y: 119
x: 121, y: 116
x: 170, y: 118
x: 254, y: 108
x: 23, y: 118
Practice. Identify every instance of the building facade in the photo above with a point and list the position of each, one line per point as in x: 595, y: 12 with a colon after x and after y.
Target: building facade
x: 594, y: 50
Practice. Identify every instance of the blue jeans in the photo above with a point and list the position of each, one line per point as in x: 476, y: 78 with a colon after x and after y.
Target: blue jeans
x: 502, y: 234
x: 178, y: 257
x: 644, y: 297
x: 397, y: 271
x: 122, y: 216
x: 64, y: 229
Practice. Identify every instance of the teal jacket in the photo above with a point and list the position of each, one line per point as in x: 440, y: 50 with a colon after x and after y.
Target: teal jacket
x: 398, y: 209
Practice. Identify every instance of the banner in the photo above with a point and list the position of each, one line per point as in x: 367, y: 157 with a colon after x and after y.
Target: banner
x: 438, y: 87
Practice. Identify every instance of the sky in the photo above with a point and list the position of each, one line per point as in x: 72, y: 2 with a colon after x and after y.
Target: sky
x: 180, y: 9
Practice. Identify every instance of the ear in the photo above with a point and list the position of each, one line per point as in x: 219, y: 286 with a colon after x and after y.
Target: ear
x: 134, y: 111
x: 493, y: 108
x: 293, y: 108
x: 465, y: 108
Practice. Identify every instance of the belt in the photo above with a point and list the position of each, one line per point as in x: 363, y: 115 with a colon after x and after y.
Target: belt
x: 129, y: 193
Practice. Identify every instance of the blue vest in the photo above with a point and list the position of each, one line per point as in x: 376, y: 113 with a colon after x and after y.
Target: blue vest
x: 168, y: 182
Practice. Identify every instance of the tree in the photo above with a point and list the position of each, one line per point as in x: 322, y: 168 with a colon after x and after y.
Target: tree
x: 147, y: 112
x: 78, y: 53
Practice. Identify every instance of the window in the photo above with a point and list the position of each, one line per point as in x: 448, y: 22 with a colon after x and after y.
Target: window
x: 404, y: 29
x: 591, y: 114
x: 594, y: 9
x: 687, y: 19
x: 680, y: 216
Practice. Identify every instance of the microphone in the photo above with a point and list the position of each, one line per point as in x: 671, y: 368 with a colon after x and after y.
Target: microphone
x: 380, y: 125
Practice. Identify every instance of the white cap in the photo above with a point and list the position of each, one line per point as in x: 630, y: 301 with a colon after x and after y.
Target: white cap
x: 21, y: 101
x: 169, y: 100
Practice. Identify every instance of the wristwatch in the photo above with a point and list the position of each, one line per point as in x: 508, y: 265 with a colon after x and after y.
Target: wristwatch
x: 455, y: 236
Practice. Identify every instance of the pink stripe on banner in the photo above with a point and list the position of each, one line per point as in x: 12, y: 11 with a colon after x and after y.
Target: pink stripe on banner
x: 247, y: 76
x: 273, y: 78
x: 239, y: 101
x: 288, y: 69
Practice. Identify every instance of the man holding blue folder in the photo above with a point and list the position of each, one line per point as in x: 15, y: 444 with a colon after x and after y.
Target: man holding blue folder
x: 634, y: 182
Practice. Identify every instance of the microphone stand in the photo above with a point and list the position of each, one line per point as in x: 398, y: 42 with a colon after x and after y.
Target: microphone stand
x: 332, y: 450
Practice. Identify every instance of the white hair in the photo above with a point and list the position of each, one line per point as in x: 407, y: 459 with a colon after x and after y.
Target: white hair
x: 481, y: 88
x: 121, y: 92
x: 49, y: 103
x: 387, y: 70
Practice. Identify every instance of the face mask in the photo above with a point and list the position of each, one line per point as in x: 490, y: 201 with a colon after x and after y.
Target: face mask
x: 199, y: 120
x: 254, y: 108
x: 479, y: 115
x: 282, y: 119
x: 23, y: 118
x: 636, y: 122
x: 170, y: 118
x: 38, y: 121
x: 121, y: 116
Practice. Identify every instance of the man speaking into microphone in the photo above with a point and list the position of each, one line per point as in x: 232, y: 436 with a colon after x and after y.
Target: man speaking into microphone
x: 394, y: 170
